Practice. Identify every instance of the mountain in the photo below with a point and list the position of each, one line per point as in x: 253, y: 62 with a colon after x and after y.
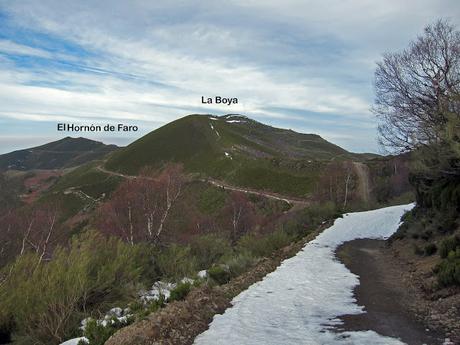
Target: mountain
x: 64, y: 153
x: 235, y: 149
x: 202, y: 142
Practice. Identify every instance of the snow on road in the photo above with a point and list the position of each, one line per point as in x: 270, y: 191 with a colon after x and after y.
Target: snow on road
x: 300, y: 302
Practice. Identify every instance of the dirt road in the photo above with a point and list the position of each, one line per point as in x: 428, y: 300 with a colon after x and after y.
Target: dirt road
x: 362, y: 170
x: 385, y: 298
x: 295, y: 202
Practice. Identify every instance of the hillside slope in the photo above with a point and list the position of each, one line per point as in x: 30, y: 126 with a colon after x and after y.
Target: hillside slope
x: 64, y: 153
x: 235, y: 149
x: 200, y: 142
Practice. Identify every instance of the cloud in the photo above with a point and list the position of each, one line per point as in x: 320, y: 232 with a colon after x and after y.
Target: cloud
x: 9, y: 47
x: 152, y: 61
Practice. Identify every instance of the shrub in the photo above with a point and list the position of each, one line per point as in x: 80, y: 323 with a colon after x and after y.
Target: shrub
x: 448, y: 271
x: 430, y: 249
x: 98, y: 333
x: 180, y: 291
x: 220, y: 274
x: 447, y: 245
x: 208, y: 249
x: 175, y: 262
x: 426, y: 235
x: 239, y: 263
x: 310, y: 218
x: 46, y: 301
x: 141, y: 309
x: 259, y: 246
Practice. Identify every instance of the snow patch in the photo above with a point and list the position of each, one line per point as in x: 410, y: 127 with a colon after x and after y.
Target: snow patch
x: 228, y: 155
x: 187, y: 280
x: 212, y: 127
x: 202, y: 274
x: 235, y: 121
x: 300, y: 302
x: 158, y: 289
x: 75, y: 341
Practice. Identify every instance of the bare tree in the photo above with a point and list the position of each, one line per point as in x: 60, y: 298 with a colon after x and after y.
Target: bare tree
x: 139, y: 208
x: 239, y: 214
x: 347, y: 183
x: 171, y: 181
x: 417, y: 87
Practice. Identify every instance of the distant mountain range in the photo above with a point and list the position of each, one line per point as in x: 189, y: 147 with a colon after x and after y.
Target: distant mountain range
x: 64, y: 153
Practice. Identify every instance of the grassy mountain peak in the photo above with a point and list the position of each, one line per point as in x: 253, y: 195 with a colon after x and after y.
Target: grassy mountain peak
x: 207, y: 143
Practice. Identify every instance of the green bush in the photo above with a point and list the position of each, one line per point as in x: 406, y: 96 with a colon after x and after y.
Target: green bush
x: 430, y: 249
x: 448, y: 271
x: 98, y: 334
x: 208, y: 249
x: 212, y: 200
x: 426, y: 235
x: 47, y: 301
x: 180, y: 291
x: 310, y: 218
x: 260, y: 246
x: 140, y: 309
x: 239, y: 263
x: 447, y: 245
x: 220, y: 274
x: 175, y: 262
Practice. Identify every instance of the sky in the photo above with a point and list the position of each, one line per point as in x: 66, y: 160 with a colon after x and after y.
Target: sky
x: 297, y: 64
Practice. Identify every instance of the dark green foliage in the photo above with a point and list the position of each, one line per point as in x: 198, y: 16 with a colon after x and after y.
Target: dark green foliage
x: 175, y: 262
x: 259, y: 246
x: 180, y: 291
x: 47, y: 301
x: 212, y: 200
x: 98, y: 334
x: 208, y: 249
x: 448, y: 271
x: 310, y: 218
x: 448, y: 245
x: 426, y: 223
x: 430, y: 249
x: 426, y: 235
x: 239, y: 263
x: 141, y: 309
x: 220, y: 274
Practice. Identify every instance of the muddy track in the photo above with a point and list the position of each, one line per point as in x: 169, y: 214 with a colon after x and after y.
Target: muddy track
x: 362, y: 170
x: 386, y: 298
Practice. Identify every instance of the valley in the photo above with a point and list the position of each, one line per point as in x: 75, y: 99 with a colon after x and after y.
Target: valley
x: 224, y: 196
x: 243, y: 172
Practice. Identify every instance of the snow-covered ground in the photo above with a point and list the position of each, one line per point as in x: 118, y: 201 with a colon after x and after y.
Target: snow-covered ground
x: 74, y: 341
x: 299, y: 303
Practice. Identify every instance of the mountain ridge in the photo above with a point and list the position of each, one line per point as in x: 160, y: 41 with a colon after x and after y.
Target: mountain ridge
x: 64, y: 153
x: 200, y: 137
